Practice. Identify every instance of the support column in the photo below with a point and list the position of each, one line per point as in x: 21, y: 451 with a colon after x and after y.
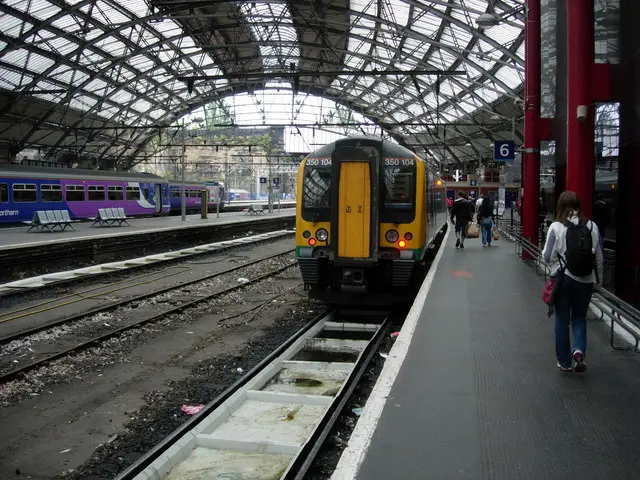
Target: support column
x: 580, y: 129
x: 531, y: 157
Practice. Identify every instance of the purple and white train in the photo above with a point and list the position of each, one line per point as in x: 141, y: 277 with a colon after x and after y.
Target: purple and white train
x: 24, y: 191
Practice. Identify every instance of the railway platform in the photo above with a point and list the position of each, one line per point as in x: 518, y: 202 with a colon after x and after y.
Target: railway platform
x: 20, y: 250
x: 17, y: 237
x: 470, y: 389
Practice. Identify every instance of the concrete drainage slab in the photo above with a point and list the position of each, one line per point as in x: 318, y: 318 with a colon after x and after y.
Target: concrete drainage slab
x: 258, y: 432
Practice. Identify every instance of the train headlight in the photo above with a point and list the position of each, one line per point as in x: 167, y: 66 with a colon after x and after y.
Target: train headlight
x: 312, y: 242
x: 391, y: 236
x: 408, y: 236
x: 402, y: 244
x: 306, y: 234
x: 322, y: 235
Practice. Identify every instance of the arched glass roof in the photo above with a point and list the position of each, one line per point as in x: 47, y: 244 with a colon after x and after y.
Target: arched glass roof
x: 102, y: 77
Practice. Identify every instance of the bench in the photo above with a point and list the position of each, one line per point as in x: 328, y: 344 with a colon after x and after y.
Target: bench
x: 110, y: 216
x: 49, y: 220
x: 254, y: 209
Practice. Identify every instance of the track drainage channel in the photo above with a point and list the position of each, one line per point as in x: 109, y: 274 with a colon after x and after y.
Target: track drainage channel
x: 271, y: 426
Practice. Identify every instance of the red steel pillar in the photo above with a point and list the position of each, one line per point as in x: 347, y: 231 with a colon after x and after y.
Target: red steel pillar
x: 531, y: 157
x: 580, y: 112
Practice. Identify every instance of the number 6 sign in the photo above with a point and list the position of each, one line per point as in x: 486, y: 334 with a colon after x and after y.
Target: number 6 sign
x: 504, y: 150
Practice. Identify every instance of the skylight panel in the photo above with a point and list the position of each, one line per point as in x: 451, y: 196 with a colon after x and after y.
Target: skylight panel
x: 17, y: 58
x: 40, y: 9
x: 37, y: 63
x: 59, y: 45
x: 105, y: 13
x: 12, y: 26
x: 66, y: 23
x: 508, y: 76
x: 12, y: 79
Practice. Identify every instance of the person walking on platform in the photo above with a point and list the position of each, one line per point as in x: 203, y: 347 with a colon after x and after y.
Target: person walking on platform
x: 462, y: 211
x: 601, y: 215
x: 573, y: 249
x: 486, y: 219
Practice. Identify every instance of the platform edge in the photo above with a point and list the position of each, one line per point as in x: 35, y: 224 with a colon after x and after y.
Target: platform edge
x: 356, y: 450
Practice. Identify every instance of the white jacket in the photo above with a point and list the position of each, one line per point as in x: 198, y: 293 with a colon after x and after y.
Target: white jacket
x: 556, y: 245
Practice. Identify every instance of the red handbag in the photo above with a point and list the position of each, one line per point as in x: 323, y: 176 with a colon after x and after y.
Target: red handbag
x: 547, y: 291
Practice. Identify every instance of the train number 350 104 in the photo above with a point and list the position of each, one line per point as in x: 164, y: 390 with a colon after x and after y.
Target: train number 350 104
x: 399, y: 162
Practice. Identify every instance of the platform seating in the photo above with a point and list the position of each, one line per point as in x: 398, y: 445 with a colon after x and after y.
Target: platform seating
x: 49, y: 220
x: 110, y: 216
x: 254, y: 209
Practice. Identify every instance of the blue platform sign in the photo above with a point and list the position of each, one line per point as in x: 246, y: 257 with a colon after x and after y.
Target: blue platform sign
x: 276, y: 180
x: 504, y: 150
x: 263, y: 179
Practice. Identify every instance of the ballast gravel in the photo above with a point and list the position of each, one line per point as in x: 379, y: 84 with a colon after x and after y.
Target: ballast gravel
x: 162, y: 415
x: 114, y: 350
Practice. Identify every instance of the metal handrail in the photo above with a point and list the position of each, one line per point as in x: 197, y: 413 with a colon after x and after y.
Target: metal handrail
x: 606, y: 303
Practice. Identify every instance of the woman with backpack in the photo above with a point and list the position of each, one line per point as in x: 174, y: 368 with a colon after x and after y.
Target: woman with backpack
x: 573, y: 250
x: 486, y: 220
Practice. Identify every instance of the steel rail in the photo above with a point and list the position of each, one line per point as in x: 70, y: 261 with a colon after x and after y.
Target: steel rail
x: 114, y: 305
x: 101, y: 338
x: 147, y: 459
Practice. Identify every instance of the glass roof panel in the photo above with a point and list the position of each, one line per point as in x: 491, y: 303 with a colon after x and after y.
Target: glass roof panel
x: 138, y: 72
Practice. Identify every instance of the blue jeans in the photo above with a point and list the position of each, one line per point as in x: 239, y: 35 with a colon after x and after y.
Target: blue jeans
x: 485, y: 226
x: 572, y: 303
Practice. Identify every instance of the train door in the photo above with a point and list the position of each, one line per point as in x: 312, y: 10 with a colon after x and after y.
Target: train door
x: 157, y: 197
x: 354, y: 210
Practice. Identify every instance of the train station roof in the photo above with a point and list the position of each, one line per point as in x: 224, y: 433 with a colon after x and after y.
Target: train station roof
x: 102, y: 77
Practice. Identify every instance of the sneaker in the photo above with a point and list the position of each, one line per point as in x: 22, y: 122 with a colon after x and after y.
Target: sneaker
x: 563, y: 369
x: 457, y: 243
x: 461, y: 245
x: 580, y: 367
x: 484, y: 245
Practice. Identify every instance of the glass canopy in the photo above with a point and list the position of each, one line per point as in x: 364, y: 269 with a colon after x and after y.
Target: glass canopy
x: 102, y: 77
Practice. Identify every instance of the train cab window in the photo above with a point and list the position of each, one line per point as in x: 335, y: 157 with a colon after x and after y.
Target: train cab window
x: 74, y: 193
x: 316, y: 190
x: 145, y: 193
x: 398, y: 190
x: 24, y: 192
x: 4, y: 193
x: 115, y: 193
x: 96, y: 193
x: 133, y: 193
x: 51, y: 193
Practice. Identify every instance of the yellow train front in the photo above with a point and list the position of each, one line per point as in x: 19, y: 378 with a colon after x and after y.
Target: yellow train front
x: 368, y: 216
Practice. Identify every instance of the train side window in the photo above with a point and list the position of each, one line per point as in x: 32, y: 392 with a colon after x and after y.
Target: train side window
x: 115, y: 193
x: 96, y: 193
x: 175, y: 193
x: 4, y: 193
x: 75, y: 193
x: 51, y: 193
x: 25, y: 192
x: 133, y: 193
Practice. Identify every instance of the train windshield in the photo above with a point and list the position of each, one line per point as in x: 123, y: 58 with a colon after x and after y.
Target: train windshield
x: 398, y: 189
x: 316, y: 191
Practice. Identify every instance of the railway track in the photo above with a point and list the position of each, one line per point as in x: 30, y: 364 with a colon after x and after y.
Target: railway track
x: 272, y: 422
x: 95, y: 340
x: 40, y: 281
